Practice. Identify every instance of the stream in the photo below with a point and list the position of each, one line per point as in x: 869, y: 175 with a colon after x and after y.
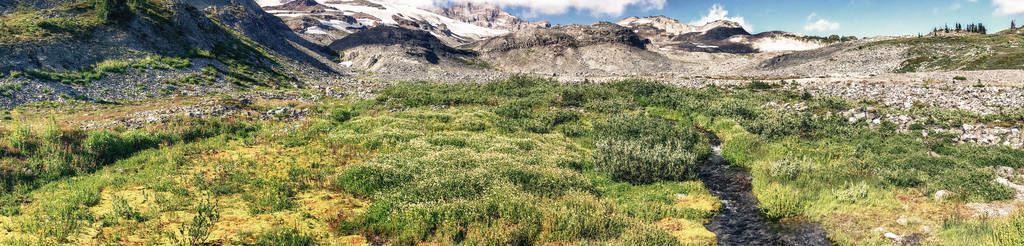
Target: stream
x: 740, y: 222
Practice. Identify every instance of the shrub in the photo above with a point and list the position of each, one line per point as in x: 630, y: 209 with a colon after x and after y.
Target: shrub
x: 124, y: 210
x: 62, y: 221
x: 853, y: 193
x: 113, y: 10
x: 761, y: 85
x: 340, y: 115
x: 110, y: 146
x: 106, y: 145
x: 368, y: 179
x: 916, y: 127
x: 972, y: 184
x: 786, y: 169
x: 196, y: 232
x: 639, y: 162
x: 960, y: 78
x: 516, y: 109
x: 270, y: 196
x: 1010, y: 232
x: 779, y: 201
x: 642, y: 149
x: 575, y: 130
x: 284, y: 237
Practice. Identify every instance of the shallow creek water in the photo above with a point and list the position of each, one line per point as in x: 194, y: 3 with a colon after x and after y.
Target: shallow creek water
x: 740, y: 222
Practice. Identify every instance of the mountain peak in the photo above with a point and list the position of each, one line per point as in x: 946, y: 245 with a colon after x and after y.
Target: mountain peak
x: 329, y: 20
x: 486, y: 15
x: 673, y: 26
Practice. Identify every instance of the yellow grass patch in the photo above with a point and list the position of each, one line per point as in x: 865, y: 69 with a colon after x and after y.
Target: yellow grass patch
x: 704, y: 202
x: 688, y: 232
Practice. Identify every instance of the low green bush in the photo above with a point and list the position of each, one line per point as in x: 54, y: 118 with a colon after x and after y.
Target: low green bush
x: 779, y: 201
x: 648, y: 235
x: 284, y: 237
x: 1010, y: 232
x: 270, y: 196
x: 340, y: 115
x: 517, y: 109
x: 642, y: 149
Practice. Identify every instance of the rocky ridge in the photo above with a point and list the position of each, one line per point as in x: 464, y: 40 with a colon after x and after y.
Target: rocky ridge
x: 717, y: 36
x: 489, y: 16
x: 209, y: 41
x: 324, y: 21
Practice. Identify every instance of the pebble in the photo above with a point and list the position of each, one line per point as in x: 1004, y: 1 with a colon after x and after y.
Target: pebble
x: 942, y: 194
x: 893, y: 236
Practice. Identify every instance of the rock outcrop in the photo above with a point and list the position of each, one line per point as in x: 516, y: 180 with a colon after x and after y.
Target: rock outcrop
x: 720, y: 36
x: 489, y: 16
x: 563, y: 37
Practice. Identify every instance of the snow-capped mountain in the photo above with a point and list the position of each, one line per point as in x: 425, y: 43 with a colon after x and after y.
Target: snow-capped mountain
x: 489, y: 16
x: 328, y: 20
x: 673, y: 26
x: 718, y: 36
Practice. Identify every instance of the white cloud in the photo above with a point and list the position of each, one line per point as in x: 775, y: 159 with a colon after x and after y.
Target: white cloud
x: 717, y: 12
x: 955, y: 6
x: 1009, y: 7
x: 816, y: 23
x: 551, y: 7
x: 809, y: 17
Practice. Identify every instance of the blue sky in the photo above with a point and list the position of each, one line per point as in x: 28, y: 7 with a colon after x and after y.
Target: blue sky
x: 817, y: 17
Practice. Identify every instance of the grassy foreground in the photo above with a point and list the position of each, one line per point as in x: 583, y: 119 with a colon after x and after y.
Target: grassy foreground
x: 524, y: 161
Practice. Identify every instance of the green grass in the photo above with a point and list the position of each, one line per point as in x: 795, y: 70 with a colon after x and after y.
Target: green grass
x: 36, y: 158
x: 971, y: 52
x: 246, y: 63
x: 84, y: 76
x: 9, y: 90
x: 522, y: 161
x: 643, y: 149
x: 478, y: 64
x: 97, y: 71
x: 69, y: 21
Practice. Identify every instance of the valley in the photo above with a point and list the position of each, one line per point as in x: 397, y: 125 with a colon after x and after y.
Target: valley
x: 366, y: 122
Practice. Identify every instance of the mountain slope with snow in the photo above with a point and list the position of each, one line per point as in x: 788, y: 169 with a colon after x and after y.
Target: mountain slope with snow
x: 333, y: 19
x: 489, y: 16
x: 717, y: 36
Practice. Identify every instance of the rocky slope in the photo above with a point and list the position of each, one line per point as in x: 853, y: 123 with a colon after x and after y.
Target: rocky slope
x: 396, y: 53
x: 718, y: 36
x: 324, y: 21
x: 489, y: 16
x: 573, y: 50
x: 160, y: 48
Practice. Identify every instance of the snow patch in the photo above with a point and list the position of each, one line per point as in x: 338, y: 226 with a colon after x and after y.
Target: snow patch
x: 784, y: 44
x: 391, y: 9
x: 315, y: 30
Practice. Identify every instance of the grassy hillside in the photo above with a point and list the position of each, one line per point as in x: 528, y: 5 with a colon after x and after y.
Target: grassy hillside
x: 967, y: 52
x: 109, y: 50
x: 524, y: 161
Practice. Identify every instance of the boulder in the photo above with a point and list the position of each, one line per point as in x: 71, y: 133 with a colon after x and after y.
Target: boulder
x: 941, y: 195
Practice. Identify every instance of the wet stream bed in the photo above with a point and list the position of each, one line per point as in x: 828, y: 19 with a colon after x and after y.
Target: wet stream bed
x: 740, y: 221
